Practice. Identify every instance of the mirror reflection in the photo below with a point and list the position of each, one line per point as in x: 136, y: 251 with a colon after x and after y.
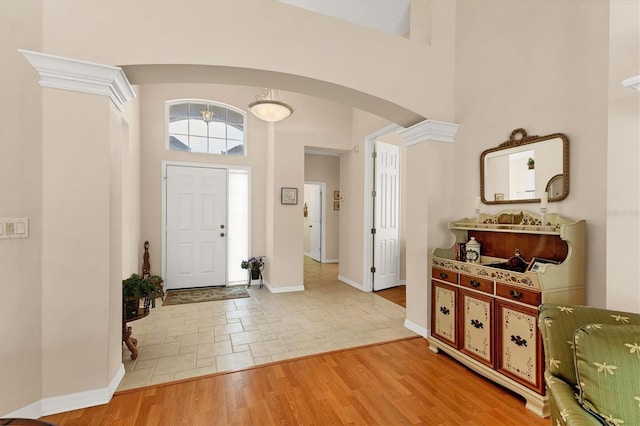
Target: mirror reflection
x: 523, y: 168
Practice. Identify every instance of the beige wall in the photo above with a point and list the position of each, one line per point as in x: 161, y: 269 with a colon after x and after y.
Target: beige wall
x: 317, y: 58
x: 324, y: 168
x: 542, y: 67
x: 20, y: 196
x: 132, y: 242
x: 623, y: 153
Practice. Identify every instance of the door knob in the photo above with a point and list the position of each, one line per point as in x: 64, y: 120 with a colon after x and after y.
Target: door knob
x: 221, y: 226
x: 222, y: 234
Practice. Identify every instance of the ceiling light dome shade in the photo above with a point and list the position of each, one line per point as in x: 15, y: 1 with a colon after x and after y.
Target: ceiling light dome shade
x: 269, y: 108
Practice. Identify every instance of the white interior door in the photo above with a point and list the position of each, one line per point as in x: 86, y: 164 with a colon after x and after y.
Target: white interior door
x: 386, y: 252
x: 315, y: 221
x: 196, y: 227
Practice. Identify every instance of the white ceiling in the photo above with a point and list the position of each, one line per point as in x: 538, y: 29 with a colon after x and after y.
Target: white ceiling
x: 389, y: 16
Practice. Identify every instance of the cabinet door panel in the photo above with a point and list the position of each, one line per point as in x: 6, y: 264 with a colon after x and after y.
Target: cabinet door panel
x: 519, y: 345
x: 476, y: 326
x: 444, y: 313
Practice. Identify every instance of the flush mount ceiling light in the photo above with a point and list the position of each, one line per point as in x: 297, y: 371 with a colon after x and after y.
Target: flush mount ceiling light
x: 269, y: 108
x: 207, y: 115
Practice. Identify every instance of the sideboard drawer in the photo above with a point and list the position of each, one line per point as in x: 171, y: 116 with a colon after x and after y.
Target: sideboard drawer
x: 445, y: 275
x: 518, y: 294
x: 476, y: 283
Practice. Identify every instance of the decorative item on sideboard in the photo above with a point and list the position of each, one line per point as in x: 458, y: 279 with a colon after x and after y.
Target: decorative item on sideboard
x: 472, y: 250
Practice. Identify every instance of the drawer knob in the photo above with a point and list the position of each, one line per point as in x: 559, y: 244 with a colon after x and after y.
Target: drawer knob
x: 516, y: 294
x: 444, y: 275
x: 475, y: 284
x: 476, y: 323
x: 444, y: 310
x: 518, y: 340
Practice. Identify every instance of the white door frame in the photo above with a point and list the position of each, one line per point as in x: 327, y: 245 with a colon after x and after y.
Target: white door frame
x: 323, y: 216
x: 367, y: 258
x: 163, y: 232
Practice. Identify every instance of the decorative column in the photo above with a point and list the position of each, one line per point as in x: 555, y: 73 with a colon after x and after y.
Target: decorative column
x: 430, y: 168
x: 82, y: 230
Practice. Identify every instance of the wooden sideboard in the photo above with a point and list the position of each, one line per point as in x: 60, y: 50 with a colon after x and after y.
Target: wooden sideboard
x: 485, y: 314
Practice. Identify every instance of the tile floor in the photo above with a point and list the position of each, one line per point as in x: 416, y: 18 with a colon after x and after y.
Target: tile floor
x: 182, y: 341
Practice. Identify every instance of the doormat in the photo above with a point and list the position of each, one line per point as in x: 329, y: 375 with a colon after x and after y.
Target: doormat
x: 204, y: 294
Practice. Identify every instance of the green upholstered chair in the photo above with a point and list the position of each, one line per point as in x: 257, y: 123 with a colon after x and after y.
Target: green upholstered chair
x: 592, y: 364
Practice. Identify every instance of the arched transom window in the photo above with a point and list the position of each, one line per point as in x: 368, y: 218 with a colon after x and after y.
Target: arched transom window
x: 206, y: 127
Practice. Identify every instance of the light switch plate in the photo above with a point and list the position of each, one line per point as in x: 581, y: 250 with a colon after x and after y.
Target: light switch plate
x: 11, y: 228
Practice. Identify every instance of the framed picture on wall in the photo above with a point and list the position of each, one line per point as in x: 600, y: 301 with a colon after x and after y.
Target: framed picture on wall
x: 336, y: 195
x: 289, y: 196
x: 336, y: 205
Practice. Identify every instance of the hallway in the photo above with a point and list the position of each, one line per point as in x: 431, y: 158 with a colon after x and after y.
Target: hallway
x: 183, y: 341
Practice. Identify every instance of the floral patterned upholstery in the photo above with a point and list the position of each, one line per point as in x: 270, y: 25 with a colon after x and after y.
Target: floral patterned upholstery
x: 583, y: 346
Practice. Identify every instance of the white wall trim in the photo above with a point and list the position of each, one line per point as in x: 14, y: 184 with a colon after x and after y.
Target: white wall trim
x: 318, y: 152
x: 81, y: 76
x: 632, y: 82
x: 416, y: 328
x: 73, y: 401
x: 429, y: 130
x: 351, y: 283
x: 331, y: 261
x: 31, y: 411
x: 287, y: 289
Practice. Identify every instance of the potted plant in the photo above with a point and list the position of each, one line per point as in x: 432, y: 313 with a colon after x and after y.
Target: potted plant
x: 255, y: 265
x: 531, y: 163
x: 156, y: 281
x: 135, y: 288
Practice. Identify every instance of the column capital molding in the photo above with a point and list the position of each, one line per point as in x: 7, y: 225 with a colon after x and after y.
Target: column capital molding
x: 429, y: 130
x: 632, y: 82
x: 81, y: 76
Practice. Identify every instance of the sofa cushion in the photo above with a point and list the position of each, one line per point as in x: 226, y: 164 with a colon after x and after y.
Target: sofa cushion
x: 559, y: 322
x: 607, y: 360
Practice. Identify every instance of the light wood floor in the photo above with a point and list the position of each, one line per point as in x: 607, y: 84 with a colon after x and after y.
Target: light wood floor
x: 397, y: 383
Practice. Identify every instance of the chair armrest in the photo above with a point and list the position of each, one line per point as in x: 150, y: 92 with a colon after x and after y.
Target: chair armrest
x: 565, y: 409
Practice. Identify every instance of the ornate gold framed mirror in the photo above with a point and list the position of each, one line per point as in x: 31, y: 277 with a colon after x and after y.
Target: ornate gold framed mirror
x: 523, y: 168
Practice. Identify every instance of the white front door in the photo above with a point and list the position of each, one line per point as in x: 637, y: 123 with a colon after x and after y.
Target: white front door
x: 315, y: 221
x: 196, y: 227
x: 386, y: 248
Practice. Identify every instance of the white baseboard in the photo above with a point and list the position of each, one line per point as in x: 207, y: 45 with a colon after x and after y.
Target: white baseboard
x: 331, y: 261
x: 416, y: 328
x: 74, y: 401
x: 287, y: 289
x: 351, y: 283
x: 31, y: 411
